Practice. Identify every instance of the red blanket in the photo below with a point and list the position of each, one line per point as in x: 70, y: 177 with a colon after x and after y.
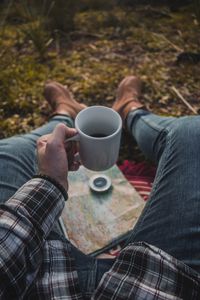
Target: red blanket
x: 140, y: 175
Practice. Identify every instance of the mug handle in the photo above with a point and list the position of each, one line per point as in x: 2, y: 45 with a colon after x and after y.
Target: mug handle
x: 75, y: 138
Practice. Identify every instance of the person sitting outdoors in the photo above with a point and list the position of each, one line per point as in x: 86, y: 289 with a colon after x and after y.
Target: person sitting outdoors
x: 161, y: 257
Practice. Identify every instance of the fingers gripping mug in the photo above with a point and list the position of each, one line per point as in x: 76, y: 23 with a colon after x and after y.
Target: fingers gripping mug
x: 99, y: 133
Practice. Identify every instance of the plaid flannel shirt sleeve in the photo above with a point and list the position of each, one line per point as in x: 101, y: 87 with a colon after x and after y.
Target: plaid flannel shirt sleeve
x: 25, y: 221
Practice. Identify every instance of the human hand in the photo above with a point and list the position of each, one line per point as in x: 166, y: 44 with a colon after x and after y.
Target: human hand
x: 55, y: 156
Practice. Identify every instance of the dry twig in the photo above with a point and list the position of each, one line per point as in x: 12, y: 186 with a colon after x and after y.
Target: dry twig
x: 184, y: 100
x: 168, y: 41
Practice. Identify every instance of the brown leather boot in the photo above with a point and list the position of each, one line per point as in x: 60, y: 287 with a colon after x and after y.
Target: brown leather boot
x: 128, y: 94
x: 61, y: 100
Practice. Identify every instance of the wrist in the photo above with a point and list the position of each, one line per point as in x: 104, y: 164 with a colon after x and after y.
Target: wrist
x: 60, y: 177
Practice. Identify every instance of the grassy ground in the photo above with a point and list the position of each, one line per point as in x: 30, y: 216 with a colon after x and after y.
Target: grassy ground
x: 104, y: 47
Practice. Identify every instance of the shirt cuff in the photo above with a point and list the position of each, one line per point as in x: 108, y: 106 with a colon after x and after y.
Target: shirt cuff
x: 55, y: 182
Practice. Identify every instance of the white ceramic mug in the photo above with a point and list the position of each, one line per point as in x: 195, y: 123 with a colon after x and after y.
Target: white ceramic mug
x: 99, y: 133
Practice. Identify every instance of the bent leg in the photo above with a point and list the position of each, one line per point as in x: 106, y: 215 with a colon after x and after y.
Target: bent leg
x: 18, y: 157
x: 149, y: 131
x: 170, y: 219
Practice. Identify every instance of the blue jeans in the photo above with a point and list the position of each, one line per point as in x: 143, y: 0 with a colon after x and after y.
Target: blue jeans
x: 170, y: 219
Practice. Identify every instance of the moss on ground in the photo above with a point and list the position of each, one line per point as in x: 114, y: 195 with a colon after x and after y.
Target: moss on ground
x: 105, y: 47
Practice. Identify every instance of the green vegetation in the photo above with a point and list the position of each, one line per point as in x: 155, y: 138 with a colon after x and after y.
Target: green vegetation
x: 91, y: 48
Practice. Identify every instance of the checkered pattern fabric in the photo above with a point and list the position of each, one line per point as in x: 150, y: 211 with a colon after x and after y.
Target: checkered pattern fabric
x: 35, y: 267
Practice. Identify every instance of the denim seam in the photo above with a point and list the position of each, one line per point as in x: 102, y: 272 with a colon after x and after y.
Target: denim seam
x: 155, y: 184
x: 166, y: 153
x: 153, y: 125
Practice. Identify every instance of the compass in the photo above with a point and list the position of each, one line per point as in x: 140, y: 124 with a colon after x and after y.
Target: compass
x: 100, y: 183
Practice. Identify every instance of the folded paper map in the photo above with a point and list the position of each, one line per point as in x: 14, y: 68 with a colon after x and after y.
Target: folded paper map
x: 94, y: 220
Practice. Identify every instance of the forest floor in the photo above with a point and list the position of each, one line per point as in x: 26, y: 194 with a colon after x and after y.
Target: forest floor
x: 92, y: 60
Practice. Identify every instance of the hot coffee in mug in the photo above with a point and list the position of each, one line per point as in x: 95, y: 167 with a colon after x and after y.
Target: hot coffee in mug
x: 99, y: 133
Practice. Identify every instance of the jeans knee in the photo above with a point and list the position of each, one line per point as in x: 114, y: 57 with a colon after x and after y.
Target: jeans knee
x: 186, y: 131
